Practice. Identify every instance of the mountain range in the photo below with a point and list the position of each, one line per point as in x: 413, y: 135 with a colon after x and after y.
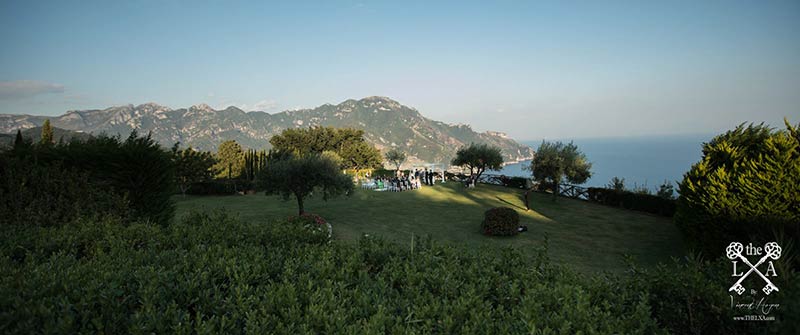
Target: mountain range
x: 386, y: 124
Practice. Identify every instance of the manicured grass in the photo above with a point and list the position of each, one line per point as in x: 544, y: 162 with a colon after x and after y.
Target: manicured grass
x: 587, y: 236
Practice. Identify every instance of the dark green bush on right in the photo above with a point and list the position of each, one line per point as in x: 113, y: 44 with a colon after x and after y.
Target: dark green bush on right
x: 500, y: 221
x: 745, y: 188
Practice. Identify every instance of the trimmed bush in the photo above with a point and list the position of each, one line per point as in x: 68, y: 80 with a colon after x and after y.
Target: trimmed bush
x: 635, y: 201
x: 500, y: 221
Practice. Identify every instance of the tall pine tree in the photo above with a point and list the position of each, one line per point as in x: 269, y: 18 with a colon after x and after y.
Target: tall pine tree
x: 47, y: 132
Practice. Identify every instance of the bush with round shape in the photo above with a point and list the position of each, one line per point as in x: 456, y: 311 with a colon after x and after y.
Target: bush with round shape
x: 500, y: 221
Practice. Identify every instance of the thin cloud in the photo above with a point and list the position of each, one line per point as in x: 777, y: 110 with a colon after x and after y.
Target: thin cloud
x: 19, y: 89
x: 263, y: 105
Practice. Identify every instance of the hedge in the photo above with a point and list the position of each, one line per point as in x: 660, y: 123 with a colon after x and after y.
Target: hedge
x: 630, y: 200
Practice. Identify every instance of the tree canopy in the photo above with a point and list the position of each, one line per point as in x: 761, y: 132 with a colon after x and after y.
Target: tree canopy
x: 191, y: 166
x: 47, y: 133
x: 478, y: 158
x: 347, y: 143
x: 556, y: 161
x: 395, y: 157
x: 230, y: 160
x: 300, y: 176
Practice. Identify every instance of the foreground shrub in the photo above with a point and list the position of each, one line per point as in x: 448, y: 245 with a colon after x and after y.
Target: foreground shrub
x: 631, y: 200
x: 745, y: 188
x: 500, y: 221
x: 212, y: 273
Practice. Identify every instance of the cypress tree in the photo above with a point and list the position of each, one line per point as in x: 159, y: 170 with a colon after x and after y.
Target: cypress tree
x: 47, y: 132
x: 18, y: 141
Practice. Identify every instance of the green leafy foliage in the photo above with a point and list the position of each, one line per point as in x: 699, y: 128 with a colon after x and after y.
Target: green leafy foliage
x: 212, y: 273
x: 666, y: 190
x: 230, y: 160
x: 632, y: 200
x: 556, y: 161
x: 616, y: 184
x: 48, y: 195
x: 191, y: 166
x: 745, y: 188
x: 348, y: 143
x: 301, y: 176
x: 500, y: 221
x: 136, y: 169
x: 478, y: 158
x: 254, y: 162
x: 47, y: 133
x: 395, y: 157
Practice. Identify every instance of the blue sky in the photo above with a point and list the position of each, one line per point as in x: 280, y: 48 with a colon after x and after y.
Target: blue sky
x: 532, y: 69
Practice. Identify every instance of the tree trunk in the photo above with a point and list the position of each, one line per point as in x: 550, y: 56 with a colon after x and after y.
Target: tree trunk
x: 301, y: 210
x: 555, y: 190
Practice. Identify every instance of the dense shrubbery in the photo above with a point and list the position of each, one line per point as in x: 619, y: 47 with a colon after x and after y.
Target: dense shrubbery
x: 500, y: 221
x: 211, y: 273
x: 49, y: 195
x: 632, y: 200
x: 136, y: 169
x: 745, y: 188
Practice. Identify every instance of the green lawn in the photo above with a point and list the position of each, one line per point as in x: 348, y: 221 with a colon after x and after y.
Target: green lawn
x: 588, y: 236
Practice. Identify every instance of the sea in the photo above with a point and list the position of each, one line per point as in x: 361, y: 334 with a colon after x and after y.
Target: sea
x: 645, y: 161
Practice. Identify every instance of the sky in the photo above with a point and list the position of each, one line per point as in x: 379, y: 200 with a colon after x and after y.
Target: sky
x: 531, y: 69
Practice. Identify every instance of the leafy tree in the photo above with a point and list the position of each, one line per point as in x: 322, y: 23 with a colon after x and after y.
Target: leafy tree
x: 556, y: 161
x: 616, y: 184
x: 191, y: 166
x: 666, y: 190
x: 347, y: 143
x: 360, y: 155
x: 478, y: 158
x: 230, y: 160
x: 300, y: 176
x: 47, y: 133
x: 396, y: 157
x: 745, y: 188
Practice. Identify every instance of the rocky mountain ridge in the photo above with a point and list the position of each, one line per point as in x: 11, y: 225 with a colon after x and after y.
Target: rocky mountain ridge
x: 386, y: 124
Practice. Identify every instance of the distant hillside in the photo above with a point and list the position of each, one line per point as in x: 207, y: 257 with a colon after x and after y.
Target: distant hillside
x: 35, y: 134
x: 385, y: 122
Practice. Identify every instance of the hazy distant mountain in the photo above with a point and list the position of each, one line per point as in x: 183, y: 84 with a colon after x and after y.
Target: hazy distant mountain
x: 385, y: 122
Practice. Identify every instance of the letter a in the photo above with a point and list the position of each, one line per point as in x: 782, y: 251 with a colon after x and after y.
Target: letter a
x: 771, y: 268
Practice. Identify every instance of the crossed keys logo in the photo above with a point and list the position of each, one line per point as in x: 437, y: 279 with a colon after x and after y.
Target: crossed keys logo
x: 772, y: 251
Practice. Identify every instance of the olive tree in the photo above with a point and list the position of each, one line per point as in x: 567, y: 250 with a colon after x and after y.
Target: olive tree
x: 555, y: 162
x: 478, y: 158
x: 396, y: 157
x: 300, y: 176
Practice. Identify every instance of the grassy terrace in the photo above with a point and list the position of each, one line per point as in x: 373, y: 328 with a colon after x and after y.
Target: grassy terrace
x: 587, y: 236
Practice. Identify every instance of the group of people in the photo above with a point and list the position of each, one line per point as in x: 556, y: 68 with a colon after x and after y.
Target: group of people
x: 402, y: 181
